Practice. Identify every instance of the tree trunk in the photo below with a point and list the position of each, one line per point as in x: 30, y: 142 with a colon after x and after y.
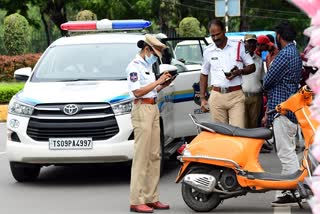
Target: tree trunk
x: 46, y: 29
x: 55, y: 9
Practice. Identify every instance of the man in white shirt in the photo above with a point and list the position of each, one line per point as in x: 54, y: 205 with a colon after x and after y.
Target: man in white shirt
x: 224, y: 60
x: 252, y: 84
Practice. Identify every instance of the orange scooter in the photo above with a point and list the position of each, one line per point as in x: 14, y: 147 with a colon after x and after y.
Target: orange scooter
x: 222, y: 161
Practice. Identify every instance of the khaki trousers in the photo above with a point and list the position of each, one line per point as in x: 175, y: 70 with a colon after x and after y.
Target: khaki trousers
x: 145, y: 171
x: 252, y: 111
x: 227, y: 108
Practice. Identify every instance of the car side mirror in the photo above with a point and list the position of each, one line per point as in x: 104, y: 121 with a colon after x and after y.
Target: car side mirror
x: 23, y: 74
x: 182, y: 60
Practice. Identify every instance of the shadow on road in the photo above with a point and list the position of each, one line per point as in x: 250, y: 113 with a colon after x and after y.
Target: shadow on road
x: 85, y: 174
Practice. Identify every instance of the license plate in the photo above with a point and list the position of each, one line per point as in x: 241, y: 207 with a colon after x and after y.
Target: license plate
x: 70, y: 143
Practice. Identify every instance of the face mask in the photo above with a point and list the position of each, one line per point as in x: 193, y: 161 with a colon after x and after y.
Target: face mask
x: 151, y: 59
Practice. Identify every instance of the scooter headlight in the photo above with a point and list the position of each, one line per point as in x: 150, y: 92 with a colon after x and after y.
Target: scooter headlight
x: 123, y: 107
x: 19, y: 108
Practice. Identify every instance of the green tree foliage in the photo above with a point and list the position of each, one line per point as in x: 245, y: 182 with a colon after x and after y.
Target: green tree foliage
x: 2, y: 16
x: 86, y: 15
x: 203, y: 10
x: 164, y: 14
x: 190, y: 27
x: 16, y: 34
x: 265, y: 15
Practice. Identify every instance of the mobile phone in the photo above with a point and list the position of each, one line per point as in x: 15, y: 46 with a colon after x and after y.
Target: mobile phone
x: 227, y: 74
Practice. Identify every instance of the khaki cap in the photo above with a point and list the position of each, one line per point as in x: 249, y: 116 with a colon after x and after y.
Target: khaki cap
x: 155, y: 44
x: 250, y: 37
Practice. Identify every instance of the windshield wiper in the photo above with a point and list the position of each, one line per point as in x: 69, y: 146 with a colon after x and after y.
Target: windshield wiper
x: 82, y: 79
x: 192, y: 63
x: 75, y: 80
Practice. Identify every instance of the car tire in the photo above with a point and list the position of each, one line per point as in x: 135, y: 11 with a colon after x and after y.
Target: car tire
x: 24, y: 172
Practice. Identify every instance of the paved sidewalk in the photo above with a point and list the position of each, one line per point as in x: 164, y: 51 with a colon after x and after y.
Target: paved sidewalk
x: 3, y: 112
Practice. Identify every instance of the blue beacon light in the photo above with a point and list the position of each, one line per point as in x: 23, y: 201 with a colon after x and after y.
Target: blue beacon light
x: 130, y: 24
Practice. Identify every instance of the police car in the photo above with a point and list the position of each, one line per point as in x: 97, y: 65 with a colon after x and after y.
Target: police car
x: 75, y: 106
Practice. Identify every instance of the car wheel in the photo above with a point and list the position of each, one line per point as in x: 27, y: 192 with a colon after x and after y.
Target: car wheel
x: 24, y: 172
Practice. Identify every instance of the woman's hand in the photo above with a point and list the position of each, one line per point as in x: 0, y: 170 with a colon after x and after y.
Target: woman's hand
x: 163, y: 78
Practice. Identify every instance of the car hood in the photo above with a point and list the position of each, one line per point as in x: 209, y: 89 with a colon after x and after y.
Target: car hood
x: 74, y: 92
x: 193, y: 67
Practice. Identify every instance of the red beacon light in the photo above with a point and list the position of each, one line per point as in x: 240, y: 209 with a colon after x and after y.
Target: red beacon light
x: 105, y: 24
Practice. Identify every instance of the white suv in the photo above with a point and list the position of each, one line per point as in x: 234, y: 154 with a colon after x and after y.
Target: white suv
x: 75, y: 106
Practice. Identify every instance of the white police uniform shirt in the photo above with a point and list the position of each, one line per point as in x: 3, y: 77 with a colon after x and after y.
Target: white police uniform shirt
x: 252, y: 82
x: 139, y: 74
x: 216, y: 61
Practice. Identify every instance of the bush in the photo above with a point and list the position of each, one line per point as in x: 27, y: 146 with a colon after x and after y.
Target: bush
x: 8, y: 64
x: 190, y: 27
x: 8, y: 90
x: 16, y: 34
x: 86, y: 15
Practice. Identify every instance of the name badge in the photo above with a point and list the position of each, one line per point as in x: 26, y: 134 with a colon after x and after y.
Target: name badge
x: 214, y: 58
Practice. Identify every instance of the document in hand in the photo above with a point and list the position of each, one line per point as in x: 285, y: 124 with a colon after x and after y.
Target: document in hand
x: 171, y: 69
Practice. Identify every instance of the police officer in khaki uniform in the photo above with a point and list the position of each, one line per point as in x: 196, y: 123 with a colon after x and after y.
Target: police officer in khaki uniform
x: 143, y: 88
x: 226, y: 61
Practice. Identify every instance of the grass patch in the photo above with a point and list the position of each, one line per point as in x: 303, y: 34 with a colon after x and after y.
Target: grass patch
x: 8, y: 90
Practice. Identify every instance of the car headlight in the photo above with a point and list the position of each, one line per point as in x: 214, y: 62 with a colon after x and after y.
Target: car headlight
x: 19, y: 108
x: 122, y: 107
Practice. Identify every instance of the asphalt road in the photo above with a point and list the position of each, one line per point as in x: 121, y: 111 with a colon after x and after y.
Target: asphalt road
x: 96, y: 189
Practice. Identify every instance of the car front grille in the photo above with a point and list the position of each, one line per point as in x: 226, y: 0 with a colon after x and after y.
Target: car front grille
x: 94, y: 120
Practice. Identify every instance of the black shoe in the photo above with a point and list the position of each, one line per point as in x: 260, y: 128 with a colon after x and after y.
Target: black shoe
x: 285, y: 201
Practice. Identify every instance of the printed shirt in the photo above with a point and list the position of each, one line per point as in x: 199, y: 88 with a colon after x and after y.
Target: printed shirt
x: 282, y: 79
x: 139, y: 74
x: 216, y: 61
x: 252, y: 82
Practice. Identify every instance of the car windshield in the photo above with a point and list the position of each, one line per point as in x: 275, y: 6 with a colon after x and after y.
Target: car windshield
x: 85, y: 62
x: 190, y: 53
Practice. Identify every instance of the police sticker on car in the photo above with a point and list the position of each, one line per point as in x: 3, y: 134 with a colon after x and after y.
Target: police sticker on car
x: 70, y: 143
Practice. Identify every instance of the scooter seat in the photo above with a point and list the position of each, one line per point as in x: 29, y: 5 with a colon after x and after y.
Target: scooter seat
x: 222, y: 128
x: 273, y: 177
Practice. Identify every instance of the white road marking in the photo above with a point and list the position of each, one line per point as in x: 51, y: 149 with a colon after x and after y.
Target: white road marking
x: 282, y: 210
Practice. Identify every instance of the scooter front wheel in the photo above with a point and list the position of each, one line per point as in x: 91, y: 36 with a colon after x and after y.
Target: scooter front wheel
x: 199, y: 201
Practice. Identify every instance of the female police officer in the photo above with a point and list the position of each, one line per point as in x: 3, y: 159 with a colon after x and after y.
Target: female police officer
x: 143, y: 88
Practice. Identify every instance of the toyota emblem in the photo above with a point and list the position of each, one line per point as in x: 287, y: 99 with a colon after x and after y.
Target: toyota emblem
x: 70, y: 109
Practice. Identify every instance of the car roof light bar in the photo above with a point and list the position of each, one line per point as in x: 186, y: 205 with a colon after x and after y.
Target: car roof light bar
x: 105, y: 25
